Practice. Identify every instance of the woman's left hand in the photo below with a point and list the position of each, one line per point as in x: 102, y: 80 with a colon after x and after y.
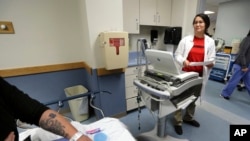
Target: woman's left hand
x: 209, y: 66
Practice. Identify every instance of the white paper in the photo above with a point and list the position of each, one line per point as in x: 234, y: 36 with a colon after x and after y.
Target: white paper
x: 200, y: 63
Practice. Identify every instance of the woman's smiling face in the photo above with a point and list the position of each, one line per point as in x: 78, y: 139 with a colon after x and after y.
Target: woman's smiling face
x: 199, y: 25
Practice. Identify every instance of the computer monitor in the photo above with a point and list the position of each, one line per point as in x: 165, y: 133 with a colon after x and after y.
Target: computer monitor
x: 162, y: 61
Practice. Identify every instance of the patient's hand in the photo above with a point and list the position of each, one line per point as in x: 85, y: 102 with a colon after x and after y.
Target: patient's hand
x: 11, y: 137
x: 84, y: 138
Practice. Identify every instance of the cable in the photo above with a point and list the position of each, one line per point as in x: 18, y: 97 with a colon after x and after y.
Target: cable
x: 91, y: 100
x: 141, y: 48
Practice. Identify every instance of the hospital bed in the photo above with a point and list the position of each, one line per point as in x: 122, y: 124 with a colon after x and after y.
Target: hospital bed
x: 165, y: 89
x: 105, y: 129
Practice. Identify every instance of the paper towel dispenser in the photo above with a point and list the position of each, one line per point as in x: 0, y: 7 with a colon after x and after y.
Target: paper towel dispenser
x: 115, y: 49
x: 173, y: 35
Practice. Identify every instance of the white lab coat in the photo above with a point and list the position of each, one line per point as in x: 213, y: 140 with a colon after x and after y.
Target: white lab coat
x: 186, y: 45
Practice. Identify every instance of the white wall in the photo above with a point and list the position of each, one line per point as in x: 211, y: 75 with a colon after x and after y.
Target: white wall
x: 233, y: 20
x: 211, y: 28
x: 190, y: 12
x: 102, y: 15
x: 56, y: 31
x: 46, y: 32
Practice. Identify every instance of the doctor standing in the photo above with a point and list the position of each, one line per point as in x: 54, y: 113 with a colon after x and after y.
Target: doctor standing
x: 199, y: 47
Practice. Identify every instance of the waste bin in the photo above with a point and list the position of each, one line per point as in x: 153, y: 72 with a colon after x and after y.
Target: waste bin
x: 79, y: 107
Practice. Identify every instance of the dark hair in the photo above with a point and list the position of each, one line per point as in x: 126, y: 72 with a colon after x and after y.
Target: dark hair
x: 206, y: 19
x: 248, y: 34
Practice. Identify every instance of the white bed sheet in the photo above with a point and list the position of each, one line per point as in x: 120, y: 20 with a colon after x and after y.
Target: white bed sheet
x: 114, y: 130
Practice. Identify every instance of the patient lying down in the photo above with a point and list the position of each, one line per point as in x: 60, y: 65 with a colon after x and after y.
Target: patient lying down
x: 106, y: 129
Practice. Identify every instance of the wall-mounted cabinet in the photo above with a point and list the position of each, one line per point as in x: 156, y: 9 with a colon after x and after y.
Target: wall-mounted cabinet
x: 131, y: 21
x: 155, y: 12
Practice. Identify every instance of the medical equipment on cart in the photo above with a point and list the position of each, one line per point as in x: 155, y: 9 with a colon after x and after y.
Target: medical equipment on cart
x: 165, y: 88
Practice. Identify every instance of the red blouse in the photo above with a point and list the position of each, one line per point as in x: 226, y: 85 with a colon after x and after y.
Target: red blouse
x: 196, y: 54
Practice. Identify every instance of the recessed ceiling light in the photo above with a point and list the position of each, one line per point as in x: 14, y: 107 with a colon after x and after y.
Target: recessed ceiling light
x: 208, y: 12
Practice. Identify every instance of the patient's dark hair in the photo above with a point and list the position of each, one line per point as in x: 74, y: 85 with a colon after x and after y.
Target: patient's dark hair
x: 248, y: 34
x: 206, y: 21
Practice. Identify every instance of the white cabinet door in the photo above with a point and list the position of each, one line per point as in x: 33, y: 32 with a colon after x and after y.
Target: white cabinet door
x: 133, y: 104
x: 131, y: 92
x: 155, y: 12
x: 164, y: 12
x: 131, y: 22
x: 147, y: 12
x: 129, y: 80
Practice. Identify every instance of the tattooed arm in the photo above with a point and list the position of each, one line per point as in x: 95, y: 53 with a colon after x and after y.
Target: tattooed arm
x: 57, y: 124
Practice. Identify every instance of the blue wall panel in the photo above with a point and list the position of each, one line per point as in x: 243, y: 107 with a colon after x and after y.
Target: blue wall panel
x: 47, y: 87
x: 114, y: 103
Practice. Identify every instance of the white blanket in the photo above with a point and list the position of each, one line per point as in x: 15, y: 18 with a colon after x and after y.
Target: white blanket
x: 109, y: 129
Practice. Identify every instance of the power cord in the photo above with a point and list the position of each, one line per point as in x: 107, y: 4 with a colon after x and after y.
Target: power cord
x: 93, y: 97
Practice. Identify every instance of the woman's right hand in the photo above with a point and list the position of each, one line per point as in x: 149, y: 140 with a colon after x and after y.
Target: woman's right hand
x: 11, y: 137
x: 186, y: 63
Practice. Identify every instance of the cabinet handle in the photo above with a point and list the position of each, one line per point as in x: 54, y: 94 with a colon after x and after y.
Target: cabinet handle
x: 137, y: 24
x: 159, y: 18
x: 155, y: 18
